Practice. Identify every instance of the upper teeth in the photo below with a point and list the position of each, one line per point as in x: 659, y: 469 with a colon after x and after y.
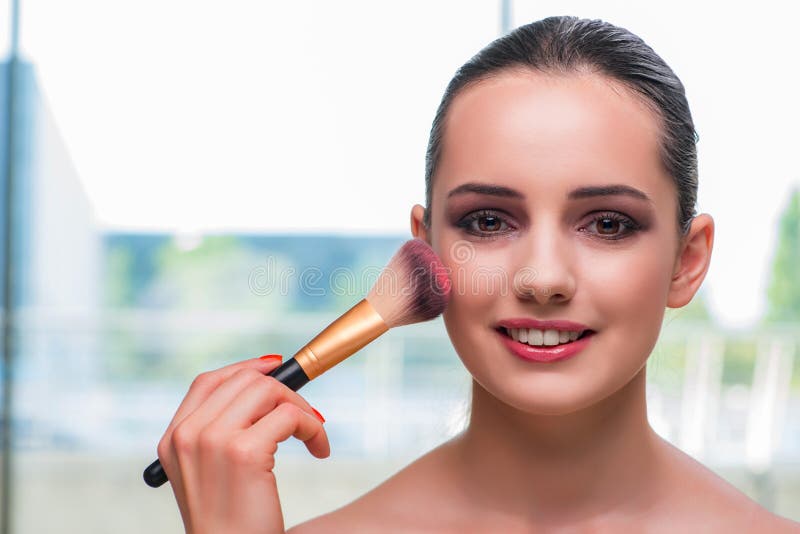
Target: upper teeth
x: 534, y: 336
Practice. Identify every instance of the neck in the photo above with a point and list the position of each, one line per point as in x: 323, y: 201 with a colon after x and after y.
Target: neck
x: 595, y: 461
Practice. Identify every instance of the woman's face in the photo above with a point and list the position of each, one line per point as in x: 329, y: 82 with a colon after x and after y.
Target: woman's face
x: 603, y: 260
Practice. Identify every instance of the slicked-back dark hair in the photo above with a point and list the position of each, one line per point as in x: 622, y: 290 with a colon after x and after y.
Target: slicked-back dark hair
x: 562, y: 45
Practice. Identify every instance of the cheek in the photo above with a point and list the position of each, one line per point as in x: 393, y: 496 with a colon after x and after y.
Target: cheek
x: 627, y: 294
x: 478, y: 276
x: 632, y: 283
x: 480, y: 280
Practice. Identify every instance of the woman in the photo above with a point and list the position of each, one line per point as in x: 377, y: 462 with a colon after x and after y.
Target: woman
x: 563, y: 156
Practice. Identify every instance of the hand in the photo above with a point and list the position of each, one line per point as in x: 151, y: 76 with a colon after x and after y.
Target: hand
x: 218, y: 450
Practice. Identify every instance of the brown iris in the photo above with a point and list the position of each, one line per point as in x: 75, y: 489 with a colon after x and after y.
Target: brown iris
x: 489, y: 223
x: 607, y: 223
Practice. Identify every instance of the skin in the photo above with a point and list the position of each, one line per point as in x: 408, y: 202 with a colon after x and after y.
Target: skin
x: 218, y: 450
x: 562, y: 446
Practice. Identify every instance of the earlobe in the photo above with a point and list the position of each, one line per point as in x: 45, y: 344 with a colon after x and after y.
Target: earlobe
x: 693, y: 261
x: 417, y: 223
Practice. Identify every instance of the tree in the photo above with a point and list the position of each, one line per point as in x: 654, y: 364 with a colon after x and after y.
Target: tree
x: 783, y: 293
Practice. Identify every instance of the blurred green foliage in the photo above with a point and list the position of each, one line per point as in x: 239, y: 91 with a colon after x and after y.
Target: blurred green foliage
x: 194, y: 282
x: 783, y: 292
x: 212, y: 274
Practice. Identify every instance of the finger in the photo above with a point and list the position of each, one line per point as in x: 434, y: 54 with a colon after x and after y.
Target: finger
x: 262, y: 395
x: 285, y: 421
x: 206, y: 383
x: 202, y: 387
x: 197, y: 425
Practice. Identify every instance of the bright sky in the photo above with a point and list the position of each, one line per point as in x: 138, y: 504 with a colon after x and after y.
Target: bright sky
x: 314, y: 116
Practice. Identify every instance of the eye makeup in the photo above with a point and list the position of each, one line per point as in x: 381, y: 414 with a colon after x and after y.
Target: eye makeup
x: 631, y: 227
x: 610, y: 212
x: 471, y: 223
x: 490, y: 224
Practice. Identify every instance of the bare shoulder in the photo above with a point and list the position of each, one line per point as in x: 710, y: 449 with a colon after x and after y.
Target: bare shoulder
x: 747, y: 516
x: 701, y: 496
x: 422, y: 498
x: 779, y: 524
x: 413, y: 494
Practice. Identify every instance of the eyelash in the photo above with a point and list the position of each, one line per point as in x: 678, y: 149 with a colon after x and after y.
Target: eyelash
x: 631, y: 225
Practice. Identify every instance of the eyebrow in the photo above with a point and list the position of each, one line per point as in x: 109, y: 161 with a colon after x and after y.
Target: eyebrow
x: 608, y: 190
x: 581, y: 192
x: 485, y: 189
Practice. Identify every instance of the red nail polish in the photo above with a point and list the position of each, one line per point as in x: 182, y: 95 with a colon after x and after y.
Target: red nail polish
x: 271, y: 357
x: 319, y: 415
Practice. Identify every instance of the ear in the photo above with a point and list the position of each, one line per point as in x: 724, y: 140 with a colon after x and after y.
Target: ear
x: 692, y: 261
x: 418, y: 228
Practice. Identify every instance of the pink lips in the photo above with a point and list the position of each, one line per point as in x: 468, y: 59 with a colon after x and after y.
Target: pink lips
x: 545, y: 354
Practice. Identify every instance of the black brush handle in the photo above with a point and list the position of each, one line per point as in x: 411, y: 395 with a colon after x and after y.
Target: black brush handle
x: 289, y: 373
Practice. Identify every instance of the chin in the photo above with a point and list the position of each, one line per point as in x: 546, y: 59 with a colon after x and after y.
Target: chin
x: 547, y: 391
x: 544, y: 401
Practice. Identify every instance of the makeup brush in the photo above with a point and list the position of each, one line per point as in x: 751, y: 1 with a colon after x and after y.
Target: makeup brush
x: 412, y: 288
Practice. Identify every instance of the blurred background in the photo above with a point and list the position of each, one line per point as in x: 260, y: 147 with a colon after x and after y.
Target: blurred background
x: 189, y: 184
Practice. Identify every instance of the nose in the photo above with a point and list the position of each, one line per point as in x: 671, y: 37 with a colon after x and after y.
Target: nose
x: 545, y: 270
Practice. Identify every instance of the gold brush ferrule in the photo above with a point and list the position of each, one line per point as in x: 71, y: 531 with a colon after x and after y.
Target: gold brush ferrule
x: 346, y: 335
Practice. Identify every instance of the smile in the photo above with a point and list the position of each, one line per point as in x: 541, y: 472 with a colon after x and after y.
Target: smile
x: 539, y: 337
x: 546, y: 353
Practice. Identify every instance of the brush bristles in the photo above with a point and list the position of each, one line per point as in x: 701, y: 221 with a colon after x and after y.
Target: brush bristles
x: 413, y: 287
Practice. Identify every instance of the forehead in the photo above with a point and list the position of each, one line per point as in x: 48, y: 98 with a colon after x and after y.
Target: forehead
x: 546, y: 132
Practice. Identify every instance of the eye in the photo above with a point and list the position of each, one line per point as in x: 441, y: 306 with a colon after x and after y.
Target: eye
x: 612, y: 225
x: 484, y: 223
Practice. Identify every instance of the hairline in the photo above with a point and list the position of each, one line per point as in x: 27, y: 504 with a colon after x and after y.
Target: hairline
x: 582, y: 68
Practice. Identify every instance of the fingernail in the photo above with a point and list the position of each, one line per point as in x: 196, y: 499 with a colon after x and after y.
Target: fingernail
x: 271, y: 357
x: 319, y: 415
